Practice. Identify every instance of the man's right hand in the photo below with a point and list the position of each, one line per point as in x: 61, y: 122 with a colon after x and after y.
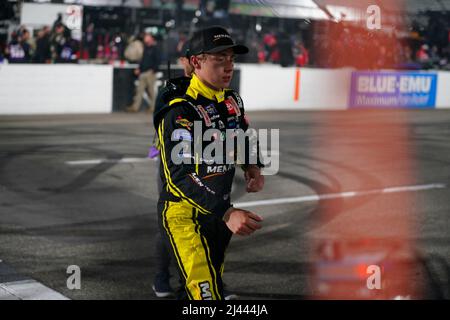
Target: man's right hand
x: 242, y: 222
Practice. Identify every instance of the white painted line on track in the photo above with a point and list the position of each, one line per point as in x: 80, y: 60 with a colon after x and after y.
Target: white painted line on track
x: 28, y: 290
x: 348, y: 194
x: 129, y: 160
x: 415, y: 188
x: 99, y: 161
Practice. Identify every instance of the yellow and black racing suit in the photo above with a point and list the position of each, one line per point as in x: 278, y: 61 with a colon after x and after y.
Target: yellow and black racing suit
x: 196, y: 195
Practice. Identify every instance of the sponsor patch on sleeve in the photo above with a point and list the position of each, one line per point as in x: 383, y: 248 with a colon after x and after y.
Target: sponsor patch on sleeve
x: 232, y: 106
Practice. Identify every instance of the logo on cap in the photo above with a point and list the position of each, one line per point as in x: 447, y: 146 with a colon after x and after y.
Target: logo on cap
x: 220, y: 36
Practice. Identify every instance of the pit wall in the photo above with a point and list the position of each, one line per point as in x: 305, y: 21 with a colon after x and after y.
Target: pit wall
x: 56, y: 89
x: 273, y: 87
x: 53, y: 89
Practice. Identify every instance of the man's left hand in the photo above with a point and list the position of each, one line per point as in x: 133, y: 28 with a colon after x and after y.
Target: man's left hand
x: 254, y: 179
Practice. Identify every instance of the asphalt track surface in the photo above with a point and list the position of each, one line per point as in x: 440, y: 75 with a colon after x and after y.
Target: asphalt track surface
x: 102, y: 217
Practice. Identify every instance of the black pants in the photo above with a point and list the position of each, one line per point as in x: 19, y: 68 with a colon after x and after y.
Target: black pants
x: 161, y: 250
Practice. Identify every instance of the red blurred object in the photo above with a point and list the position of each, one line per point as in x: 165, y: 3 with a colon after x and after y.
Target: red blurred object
x: 344, y: 269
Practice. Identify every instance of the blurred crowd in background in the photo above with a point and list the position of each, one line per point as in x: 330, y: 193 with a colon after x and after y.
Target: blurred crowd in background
x: 108, y: 36
x: 48, y: 45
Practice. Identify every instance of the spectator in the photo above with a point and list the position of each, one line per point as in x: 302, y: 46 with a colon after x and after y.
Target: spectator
x: 422, y: 55
x: 135, y: 50
x: 63, y: 47
x: 302, y: 58
x: 18, y: 50
x: 270, y: 47
x: 261, y: 54
x: 42, y: 53
x: 147, y: 74
x: 285, y: 50
x: 435, y: 59
x: 90, y: 42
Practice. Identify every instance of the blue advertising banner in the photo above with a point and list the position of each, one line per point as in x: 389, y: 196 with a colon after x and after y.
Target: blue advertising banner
x: 393, y: 89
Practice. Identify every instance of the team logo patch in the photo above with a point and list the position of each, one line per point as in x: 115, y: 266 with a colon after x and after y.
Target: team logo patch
x: 197, y: 109
x: 212, y: 112
x: 219, y: 169
x: 197, y: 180
x: 221, y: 36
x: 184, y: 122
x: 239, y: 100
x: 205, y: 115
x: 232, y: 106
x: 232, y: 124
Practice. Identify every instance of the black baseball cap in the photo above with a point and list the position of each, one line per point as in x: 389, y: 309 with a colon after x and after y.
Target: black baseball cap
x: 185, y: 51
x: 213, y: 39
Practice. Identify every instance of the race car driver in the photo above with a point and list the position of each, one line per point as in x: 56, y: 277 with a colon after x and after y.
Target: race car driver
x: 195, y: 211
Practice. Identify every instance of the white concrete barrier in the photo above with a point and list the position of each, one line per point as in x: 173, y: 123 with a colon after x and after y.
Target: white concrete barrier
x: 443, y: 90
x: 54, y: 89
x: 271, y: 87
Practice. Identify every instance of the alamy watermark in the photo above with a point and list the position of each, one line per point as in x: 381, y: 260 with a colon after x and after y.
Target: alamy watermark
x: 374, y: 280
x: 373, y: 21
x: 74, y: 280
x: 229, y: 147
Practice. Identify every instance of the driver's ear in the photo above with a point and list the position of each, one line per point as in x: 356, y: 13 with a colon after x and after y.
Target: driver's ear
x: 195, y: 62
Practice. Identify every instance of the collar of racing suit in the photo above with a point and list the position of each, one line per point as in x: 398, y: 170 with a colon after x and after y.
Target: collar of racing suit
x: 198, y: 87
